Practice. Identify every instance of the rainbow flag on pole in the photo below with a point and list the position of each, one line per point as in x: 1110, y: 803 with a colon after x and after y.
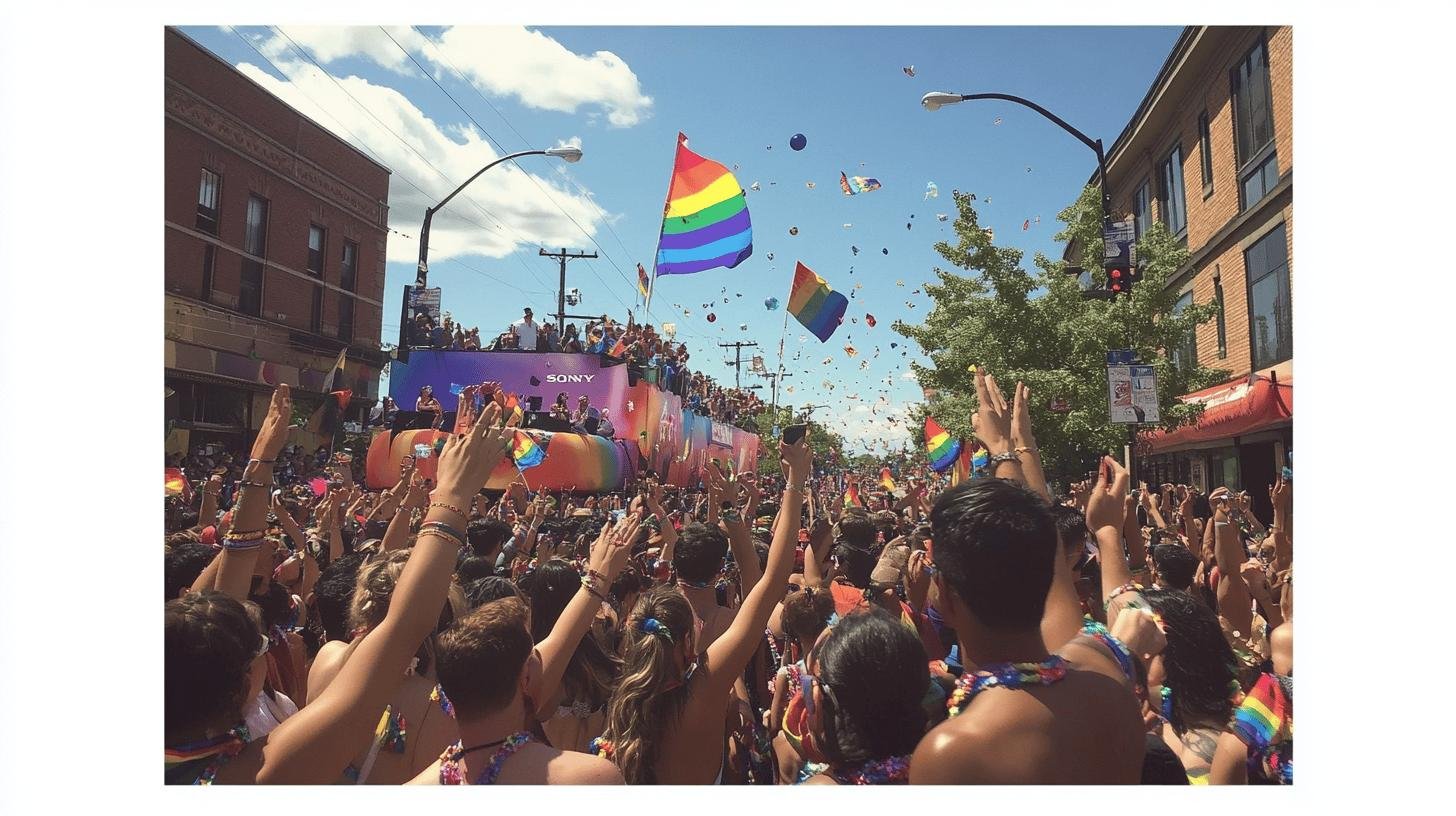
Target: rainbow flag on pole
x: 851, y: 497
x: 942, y: 449
x: 813, y: 303
x: 526, y: 452
x: 886, y: 480
x: 705, y: 223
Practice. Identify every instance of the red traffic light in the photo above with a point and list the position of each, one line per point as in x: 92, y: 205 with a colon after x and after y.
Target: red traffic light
x: 1116, y: 287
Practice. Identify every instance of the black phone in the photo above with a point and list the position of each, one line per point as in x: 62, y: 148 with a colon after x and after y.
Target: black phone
x: 793, y: 433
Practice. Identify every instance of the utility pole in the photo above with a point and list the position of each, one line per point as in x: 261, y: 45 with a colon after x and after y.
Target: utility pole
x: 773, y: 377
x: 737, y: 360
x: 563, y: 256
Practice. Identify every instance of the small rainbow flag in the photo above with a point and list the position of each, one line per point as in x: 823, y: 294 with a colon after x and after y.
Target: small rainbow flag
x: 620, y: 349
x: 886, y: 480
x: 644, y: 283
x: 526, y: 452
x: 851, y: 497
x: 854, y: 185
x: 813, y: 303
x: 705, y: 223
x: 942, y: 449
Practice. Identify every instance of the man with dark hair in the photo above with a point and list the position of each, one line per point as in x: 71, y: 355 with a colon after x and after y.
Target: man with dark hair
x: 482, y: 591
x: 486, y: 537
x: 697, y: 558
x: 334, y: 592
x: 1069, y: 717
x: 185, y: 561
x: 1172, y: 566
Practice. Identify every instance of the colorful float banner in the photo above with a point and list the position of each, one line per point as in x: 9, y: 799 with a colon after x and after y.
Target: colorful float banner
x: 528, y: 374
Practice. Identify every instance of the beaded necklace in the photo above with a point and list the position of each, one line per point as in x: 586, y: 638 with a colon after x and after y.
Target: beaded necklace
x: 452, y: 772
x: 1005, y: 675
x: 893, y: 770
x: 182, y: 758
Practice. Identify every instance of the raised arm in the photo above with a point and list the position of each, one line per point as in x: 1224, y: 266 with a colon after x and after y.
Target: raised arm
x: 398, y: 531
x: 1023, y: 441
x: 1105, y: 517
x: 730, y: 653
x: 608, y: 556
x: 244, y: 542
x: 316, y: 744
x: 1151, y: 506
x: 740, y: 538
x: 1233, y: 594
x: 211, y: 489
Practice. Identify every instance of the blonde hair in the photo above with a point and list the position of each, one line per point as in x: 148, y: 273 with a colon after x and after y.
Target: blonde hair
x: 375, y: 586
x: 649, y: 697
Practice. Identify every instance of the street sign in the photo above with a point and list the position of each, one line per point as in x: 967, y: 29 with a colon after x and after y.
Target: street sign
x: 1132, y: 394
x: 1117, y: 241
x: 1121, y: 357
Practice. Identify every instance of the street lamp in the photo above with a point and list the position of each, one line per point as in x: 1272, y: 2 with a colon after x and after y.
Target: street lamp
x: 568, y: 153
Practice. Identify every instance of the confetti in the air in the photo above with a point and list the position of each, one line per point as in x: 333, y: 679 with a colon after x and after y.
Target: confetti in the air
x: 793, y: 230
x: 909, y: 70
x: 931, y: 191
x: 941, y: 216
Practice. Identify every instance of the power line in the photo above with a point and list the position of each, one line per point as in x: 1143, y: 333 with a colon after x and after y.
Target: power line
x: 532, y: 178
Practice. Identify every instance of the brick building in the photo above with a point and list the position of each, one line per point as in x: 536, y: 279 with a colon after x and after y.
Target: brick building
x: 275, y: 244
x: 1210, y: 153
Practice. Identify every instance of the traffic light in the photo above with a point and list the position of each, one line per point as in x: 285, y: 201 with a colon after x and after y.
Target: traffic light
x: 1119, y: 277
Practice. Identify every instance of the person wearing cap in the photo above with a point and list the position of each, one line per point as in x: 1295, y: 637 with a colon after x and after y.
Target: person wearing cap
x: 526, y: 330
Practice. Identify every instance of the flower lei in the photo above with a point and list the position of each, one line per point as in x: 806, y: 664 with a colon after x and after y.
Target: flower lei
x: 893, y: 770
x: 601, y: 747
x: 451, y: 769
x: 1006, y: 675
x: 437, y: 695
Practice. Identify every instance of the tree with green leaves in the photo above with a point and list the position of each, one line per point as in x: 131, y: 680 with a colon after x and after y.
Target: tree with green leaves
x: 828, y: 446
x: 1037, y: 328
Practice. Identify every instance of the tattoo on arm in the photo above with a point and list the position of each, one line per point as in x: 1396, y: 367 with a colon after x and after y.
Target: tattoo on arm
x: 1203, y: 743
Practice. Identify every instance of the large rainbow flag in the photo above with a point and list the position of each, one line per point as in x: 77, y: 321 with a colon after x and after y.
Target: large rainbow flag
x: 943, y: 450
x: 705, y: 223
x: 813, y: 303
x: 526, y: 452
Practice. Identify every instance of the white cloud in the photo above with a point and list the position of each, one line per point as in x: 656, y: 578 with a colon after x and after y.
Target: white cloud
x: 385, y: 124
x: 544, y: 74
x: 863, y: 430
x: 499, y: 61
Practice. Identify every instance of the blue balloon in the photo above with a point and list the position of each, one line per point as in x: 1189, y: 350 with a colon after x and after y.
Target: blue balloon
x: 798, y: 141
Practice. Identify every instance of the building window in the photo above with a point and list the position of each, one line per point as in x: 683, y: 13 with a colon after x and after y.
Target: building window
x: 209, y: 264
x: 1185, y: 354
x: 1254, y: 127
x: 316, y: 241
x: 1142, y: 211
x: 348, y: 279
x: 1222, y: 328
x: 1171, y: 204
x: 1271, y: 335
x: 255, y: 243
x: 316, y: 314
x: 209, y: 193
x: 1205, y: 154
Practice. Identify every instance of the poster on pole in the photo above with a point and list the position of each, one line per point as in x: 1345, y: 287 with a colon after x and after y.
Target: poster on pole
x: 1132, y: 394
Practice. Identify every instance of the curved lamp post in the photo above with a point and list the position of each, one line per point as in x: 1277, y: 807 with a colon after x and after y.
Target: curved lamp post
x: 569, y: 153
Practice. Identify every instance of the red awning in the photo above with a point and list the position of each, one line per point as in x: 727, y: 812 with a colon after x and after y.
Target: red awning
x: 1236, y: 408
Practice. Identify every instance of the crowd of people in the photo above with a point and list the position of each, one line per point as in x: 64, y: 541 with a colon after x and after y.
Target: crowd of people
x: 742, y: 631
x: 648, y: 355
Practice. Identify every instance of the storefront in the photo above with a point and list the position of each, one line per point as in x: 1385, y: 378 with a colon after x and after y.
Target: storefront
x: 1243, y: 439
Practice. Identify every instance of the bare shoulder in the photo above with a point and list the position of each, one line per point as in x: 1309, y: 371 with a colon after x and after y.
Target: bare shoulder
x: 575, y: 768
x: 1087, y: 654
x: 947, y: 755
x: 821, y: 779
x: 326, y: 664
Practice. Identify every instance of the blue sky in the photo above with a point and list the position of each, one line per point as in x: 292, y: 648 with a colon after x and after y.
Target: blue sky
x: 624, y: 93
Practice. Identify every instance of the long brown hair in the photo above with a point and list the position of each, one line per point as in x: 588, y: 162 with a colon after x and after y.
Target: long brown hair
x: 650, y: 695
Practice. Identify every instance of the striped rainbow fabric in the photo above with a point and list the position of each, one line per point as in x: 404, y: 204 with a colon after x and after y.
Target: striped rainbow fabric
x: 813, y: 303
x: 705, y: 223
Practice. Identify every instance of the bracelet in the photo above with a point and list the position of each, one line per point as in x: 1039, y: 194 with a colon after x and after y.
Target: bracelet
x: 1008, y: 456
x: 587, y: 585
x: 444, y: 528
x: 1025, y: 450
x: 245, y: 483
x: 262, y: 461
x: 596, y: 575
x: 241, y: 546
x: 452, y: 508
x: 1221, y: 524
x: 440, y: 534
x: 244, y: 535
x: 1130, y: 586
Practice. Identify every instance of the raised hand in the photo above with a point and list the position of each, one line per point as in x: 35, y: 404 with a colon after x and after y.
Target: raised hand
x: 468, y: 459
x: 274, y: 432
x: 993, y: 415
x: 796, y: 460
x: 1139, y: 631
x: 1021, y: 435
x: 1105, y: 501
x: 613, y: 546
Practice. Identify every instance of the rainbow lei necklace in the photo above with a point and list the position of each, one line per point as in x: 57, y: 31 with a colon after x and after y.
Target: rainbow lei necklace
x: 220, y: 749
x: 894, y: 770
x: 451, y: 769
x: 1005, y: 675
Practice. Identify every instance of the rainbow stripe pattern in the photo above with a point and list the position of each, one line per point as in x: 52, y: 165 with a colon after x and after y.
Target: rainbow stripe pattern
x: 886, y: 480
x: 942, y: 449
x: 854, y: 185
x: 526, y: 452
x: 813, y: 303
x: 705, y: 224
x: 851, y: 497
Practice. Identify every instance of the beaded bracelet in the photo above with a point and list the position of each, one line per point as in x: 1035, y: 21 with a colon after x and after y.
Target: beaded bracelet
x: 244, y: 535
x: 440, y: 534
x: 589, y: 586
x: 594, y: 574
x: 445, y: 528
x: 241, y: 546
x: 452, y: 508
x: 245, y: 483
x: 262, y: 461
x: 1130, y: 586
